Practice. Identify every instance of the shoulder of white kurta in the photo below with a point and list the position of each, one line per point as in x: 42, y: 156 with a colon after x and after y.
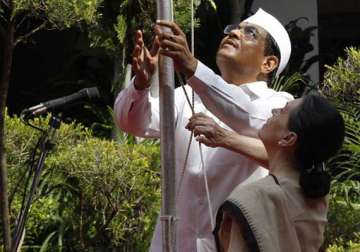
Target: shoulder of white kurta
x: 270, y: 100
x: 285, y: 95
x: 279, y: 99
x: 269, y: 93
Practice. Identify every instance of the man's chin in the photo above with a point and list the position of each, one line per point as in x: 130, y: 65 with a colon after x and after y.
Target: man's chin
x: 223, y: 52
x: 224, y: 56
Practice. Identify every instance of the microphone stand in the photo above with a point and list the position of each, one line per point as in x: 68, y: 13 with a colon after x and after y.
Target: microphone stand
x: 45, y: 145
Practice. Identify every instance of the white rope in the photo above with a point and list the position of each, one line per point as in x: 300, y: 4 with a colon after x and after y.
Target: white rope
x: 193, y: 109
x: 207, y: 188
x: 191, y: 136
x: 192, y: 106
x: 201, y: 157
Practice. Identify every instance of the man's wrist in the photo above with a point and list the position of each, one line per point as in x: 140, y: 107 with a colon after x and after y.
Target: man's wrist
x: 228, y: 138
x: 190, y: 71
x: 140, y: 85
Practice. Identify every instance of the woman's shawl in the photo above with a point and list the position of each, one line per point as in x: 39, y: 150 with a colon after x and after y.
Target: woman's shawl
x: 276, y: 216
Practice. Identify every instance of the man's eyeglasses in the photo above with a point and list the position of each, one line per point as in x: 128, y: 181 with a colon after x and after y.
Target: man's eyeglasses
x: 250, y: 32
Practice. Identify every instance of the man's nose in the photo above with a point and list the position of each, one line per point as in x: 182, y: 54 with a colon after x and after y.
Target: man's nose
x: 235, y: 33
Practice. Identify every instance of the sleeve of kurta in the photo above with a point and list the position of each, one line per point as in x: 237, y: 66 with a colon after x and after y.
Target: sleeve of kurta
x: 136, y: 112
x: 230, y: 103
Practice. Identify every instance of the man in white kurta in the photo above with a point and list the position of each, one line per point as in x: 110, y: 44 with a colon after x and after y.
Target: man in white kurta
x: 136, y: 112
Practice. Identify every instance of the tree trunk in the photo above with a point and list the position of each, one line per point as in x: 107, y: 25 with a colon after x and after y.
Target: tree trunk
x: 4, y: 84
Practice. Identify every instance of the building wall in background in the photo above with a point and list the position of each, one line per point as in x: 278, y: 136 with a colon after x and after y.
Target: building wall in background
x: 307, y: 13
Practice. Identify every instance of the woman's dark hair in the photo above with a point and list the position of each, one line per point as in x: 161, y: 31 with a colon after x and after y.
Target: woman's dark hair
x: 271, y: 48
x: 320, y: 130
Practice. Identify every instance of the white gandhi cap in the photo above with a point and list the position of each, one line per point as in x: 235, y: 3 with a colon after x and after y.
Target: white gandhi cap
x: 277, y: 31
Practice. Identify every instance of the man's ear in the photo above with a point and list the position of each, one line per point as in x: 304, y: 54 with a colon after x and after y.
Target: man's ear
x: 269, y: 64
x: 288, y: 140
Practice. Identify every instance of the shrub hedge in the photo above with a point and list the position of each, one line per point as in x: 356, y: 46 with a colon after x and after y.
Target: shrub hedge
x: 94, y: 194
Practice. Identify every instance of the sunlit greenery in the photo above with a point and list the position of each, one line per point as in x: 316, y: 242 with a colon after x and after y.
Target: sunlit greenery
x: 93, y: 193
x: 341, y: 85
x: 60, y: 13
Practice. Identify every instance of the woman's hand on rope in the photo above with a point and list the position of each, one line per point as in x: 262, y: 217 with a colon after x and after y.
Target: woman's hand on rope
x: 174, y: 45
x: 207, y: 131
x: 144, y: 61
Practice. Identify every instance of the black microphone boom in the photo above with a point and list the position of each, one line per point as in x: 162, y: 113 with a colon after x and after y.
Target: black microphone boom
x: 86, y: 94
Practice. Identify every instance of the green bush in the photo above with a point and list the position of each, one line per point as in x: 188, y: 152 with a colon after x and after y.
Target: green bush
x: 342, y: 80
x: 349, y: 247
x: 342, y: 86
x: 344, y: 214
x: 93, y: 193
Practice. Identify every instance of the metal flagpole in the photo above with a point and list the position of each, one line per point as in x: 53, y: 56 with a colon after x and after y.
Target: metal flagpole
x: 167, y: 139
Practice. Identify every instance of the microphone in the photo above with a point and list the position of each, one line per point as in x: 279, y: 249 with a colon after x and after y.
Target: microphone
x: 87, y: 94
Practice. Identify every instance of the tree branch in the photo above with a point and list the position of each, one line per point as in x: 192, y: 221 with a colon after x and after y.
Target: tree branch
x: 21, y: 21
x: 112, y: 214
x: 4, y: 14
x: 5, y: 3
x: 26, y: 36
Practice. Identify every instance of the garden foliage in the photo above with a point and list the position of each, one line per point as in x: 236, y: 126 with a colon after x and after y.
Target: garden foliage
x: 93, y: 193
x: 342, y: 86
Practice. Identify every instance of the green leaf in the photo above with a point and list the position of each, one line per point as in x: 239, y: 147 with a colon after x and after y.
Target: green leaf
x: 120, y: 28
x: 45, y: 246
x: 287, y: 84
x: 213, y: 4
